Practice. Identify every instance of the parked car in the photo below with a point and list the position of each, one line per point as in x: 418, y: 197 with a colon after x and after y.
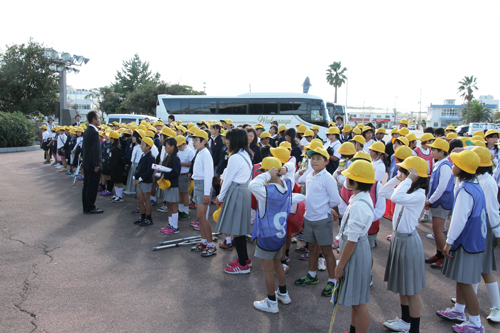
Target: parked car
x: 462, y: 130
x: 128, y: 118
x: 412, y: 127
x: 473, y: 127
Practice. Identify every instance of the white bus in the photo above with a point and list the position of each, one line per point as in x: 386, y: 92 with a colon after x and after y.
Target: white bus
x: 252, y: 108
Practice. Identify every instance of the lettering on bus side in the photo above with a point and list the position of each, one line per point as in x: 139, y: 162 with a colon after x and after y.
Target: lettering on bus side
x: 268, y: 120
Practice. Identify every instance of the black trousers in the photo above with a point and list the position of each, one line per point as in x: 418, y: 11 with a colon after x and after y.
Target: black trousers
x: 89, y: 192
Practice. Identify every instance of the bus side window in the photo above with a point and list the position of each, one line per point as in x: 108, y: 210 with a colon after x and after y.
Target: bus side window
x: 233, y: 107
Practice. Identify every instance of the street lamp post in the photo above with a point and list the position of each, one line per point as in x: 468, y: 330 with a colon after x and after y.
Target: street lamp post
x: 63, y: 63
x: 204, y: 87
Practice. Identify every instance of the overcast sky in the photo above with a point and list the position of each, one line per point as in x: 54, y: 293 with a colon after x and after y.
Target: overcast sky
x: 390, y: 48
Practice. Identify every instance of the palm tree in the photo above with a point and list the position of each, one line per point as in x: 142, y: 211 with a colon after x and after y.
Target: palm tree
x: 477, y: 112
x: 466, y: 88
x: 335, y: 76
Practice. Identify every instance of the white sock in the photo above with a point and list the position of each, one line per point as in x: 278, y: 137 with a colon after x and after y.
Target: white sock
x: 207, y: 213
x: 313, y: 274
x: 494, y: 294
x: 203, y: 241
x: 474, y: 286
x: 228, y: 240
x: 152, y: 197
x: 460, y: 307
x: 186, y: 209
x: 117, y: 192
x: 175, y: 220
x: 476, y: 320
x: 211, y: 244
x: 181, y: 208
x: 332, y: 280
x: 252, y: 214
x: 121, y: 192
x: 426, y: 212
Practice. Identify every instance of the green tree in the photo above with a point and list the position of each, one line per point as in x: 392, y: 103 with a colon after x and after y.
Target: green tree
x: 477, y: 112
x: 134, y: 73
x: 466, y: 91
x: 26, y: 82
x: 496, y: 116
x: 335, y: 76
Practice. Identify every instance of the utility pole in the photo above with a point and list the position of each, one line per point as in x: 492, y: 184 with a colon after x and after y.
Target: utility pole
x: 346, y: 87
x: 420, y: 110
x: 249, y: 87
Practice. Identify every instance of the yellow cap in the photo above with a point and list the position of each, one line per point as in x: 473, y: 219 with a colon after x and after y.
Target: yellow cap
x: 301, y: 129
x: 394, y: 131
x: 286, y: 144
x: 43, y: 127
x: 451, y: 135
x: 189, y: 125
x: 479, y: 143
x: 148, y: 141
x: 333, y: 130
x: 361, y: 171
x: 270, y: 162
x: 403, y: 140
x: 404, y: 131
x: 200, y: 134
x: 193, y: 130
x: 229, y: 121
x: 404, y: 121
x: 347, y: 128
x: 356, y: 131
x: 180, y: 140
x: 114, y: 134
x: 315, y: 127
x: 363, y: 156
x: 331, y: 123
x: 182, y: 128
x: 121, y: 130
x: 366, y: 128
x: 216, y: 214
x: 259, y: 126
x: 411, y: 137
x: 403, y: 152
x: 313, y: 145
x: 281, y: 153
x: 378, y: 146
x: 142, y: 127
x: 150, y: 134
x: 479, y: 133
x: 484, y: 156
x: 318, y: 141
x: 141, y: 133
x: 167, y: 132
x: 347, y: 148
x: 282, y: 128
x: 309, y: 133
x: 78, y: 129
x: 359, y: 139
x: 223, y: 132
x: 360, y: 126
x: 427, y: 137
x: 477, y: 137
x: 466, y: 160
x: 299, y: 124
x: 417, y: 163
x: 320, y: 151
x: 265, y: 134
x: 466, y: 141
x: 490, y: 132
x: 382, y: 130
x: 163, y: 184
x: 450, y: 128
x: 440, y: 144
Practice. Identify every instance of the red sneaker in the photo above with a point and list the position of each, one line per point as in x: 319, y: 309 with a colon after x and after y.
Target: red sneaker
x: 237, y: 269
x: 199, y: 247
x: 192, y: 205
x: 237, y: 262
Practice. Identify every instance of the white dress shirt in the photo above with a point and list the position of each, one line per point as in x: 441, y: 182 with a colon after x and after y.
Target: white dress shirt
x: 360, y: 217
x: 495, y: 151
x: 379, y: 167
x: 335, y: 146
x: 61, y: 140
x: 464, y: 203
x: 186, y: 156
x: 203, y: 169
x: 413, y: 204
x: 368, y: 144
x: 239, y: 170
x: 444, y: 177
x: 154, y: 151
x: 490, y: 190
x: 136, y: 154
x: 321, y: 196
x: 379, y: 203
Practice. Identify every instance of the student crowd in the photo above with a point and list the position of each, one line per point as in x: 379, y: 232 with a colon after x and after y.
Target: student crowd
x: 288, y: 183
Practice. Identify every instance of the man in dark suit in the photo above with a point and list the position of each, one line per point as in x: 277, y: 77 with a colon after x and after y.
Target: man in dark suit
x: 91, y: 154
x: 78, y: 120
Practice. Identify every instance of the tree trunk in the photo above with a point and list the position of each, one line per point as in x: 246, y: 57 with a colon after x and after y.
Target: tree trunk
x: 335, y: 101
x: 468, y: 113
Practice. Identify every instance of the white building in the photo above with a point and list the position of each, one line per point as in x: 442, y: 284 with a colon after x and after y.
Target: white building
x: 76, y: 98
x: 367, y: 115
x: 488, y: 100
x: 448, y: 113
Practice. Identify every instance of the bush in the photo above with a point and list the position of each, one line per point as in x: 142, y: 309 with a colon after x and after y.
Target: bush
x: 16, y: 130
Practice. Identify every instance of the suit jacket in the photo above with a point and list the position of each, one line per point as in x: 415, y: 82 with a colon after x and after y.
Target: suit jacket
x: 217, y: 149
x: 144, y: 169
x: 91, y: 149
x: 76, y: 124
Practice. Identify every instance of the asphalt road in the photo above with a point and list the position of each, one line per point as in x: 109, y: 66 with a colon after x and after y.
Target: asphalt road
x: 63, y: 271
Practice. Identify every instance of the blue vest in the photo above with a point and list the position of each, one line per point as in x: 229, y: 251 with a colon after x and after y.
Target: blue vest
x: 473, y: 237
x: 393, y: 170
x: 270, y: 230
x: 446, y: 200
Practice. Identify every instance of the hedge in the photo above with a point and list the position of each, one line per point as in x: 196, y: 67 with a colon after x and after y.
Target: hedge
x: 16, y: 130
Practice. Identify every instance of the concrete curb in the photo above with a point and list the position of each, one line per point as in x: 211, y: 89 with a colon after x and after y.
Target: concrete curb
x: 19, y: 149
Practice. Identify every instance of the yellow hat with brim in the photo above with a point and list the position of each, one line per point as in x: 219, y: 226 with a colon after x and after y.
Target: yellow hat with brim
x: 318, y: 141
x: 74, y: 132
x: 333, y: 130
x: 403, y: 140
x: 142, y: 127
x: 359, y: 139
x: 347, y: 128
x: 281, y: 153
x: 141, y: 133
x: 466, y: 141
x: 366, y: 128
x: 121, y: 130
x: 264, y: 135
x: 216, y: 214
x: 417, y: 163
x: 286, y: 144
x: 223, y: 132
x: 43, y: 127
x: 301, y: 129
x: 484, y: 156
x: 361, y: 155
x: 356, y: 131
x: 299, y: 124
x: 360, y: 126
x: 394, y: 131
x: 189, y: 125
x: 440, y: 144
x: 308, y: 133
x: 451, y: 135
x: 404, y: 131
x: 479, y: 143
x: 182, y: 128
x: 258, y: 126
x: 479, y: 133
x: 404, y: 121
x: 331, y: 123
x: 312, y: 145
x: 361, y: 171
x: 114, y: 134
x: 378, y: 147
x: 180, y: 140
x: 315, y: 127
x: 426, y: 137
x: 320, y: 151
x: 382, y: 130
x: 411, y: 137
x: 270, y: 162
x: 193, y: 130
x: 477, y: 137
x: 282, y: 128
x: 490, y: 132
x: 403, y: 152
x: 163, y: 184
x: 78, y: 129
x: 347, y: 148
x: 200, y: 134
x: 148, y: 141
x: 150, y: 134
x: 83, y: 126
x: 450, y: 127
x: 229, y: 121
x: 466, y: 160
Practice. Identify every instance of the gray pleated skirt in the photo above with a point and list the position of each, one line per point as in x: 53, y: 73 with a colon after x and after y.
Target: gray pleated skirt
x: 464, y: 267
x: 489, y: 262
x: 171, y: 194
x: 235, y: 215
x: 405, y: 269
x: 131, y: 188
x: 356, y: 282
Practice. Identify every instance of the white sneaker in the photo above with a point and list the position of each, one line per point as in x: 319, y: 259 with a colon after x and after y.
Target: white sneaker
x: 118, y: 200
x: 430, y: 236
x: 494, y: 315
x: 266, y: 305
x: 294, y: 239
x: 321, y: 264
x: 162, y: 209
x: 283, y: 298
x: 397, y: 325
x: 113, y: 198
x: 57, y: 165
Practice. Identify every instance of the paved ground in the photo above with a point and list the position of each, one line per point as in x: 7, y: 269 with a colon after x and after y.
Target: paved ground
x: 63, y: 271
